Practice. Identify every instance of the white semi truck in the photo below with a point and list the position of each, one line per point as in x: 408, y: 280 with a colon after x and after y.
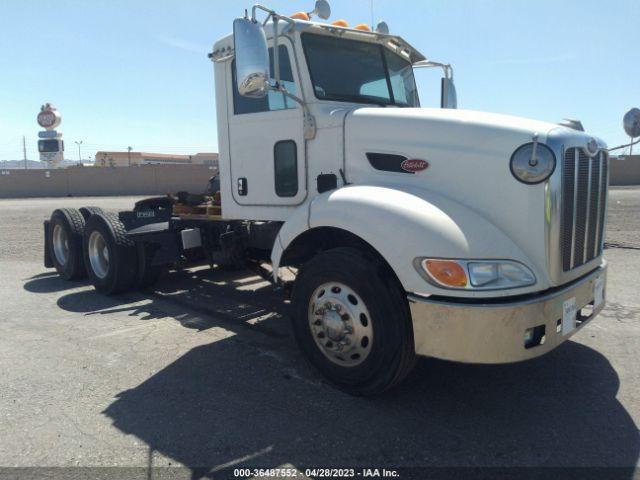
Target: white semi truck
x: 455, y: 234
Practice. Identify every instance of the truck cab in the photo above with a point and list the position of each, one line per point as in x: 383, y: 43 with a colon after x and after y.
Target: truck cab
x: 457, y: 234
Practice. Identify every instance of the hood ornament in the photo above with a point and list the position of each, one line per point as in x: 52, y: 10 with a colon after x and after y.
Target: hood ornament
x: 592, y: 147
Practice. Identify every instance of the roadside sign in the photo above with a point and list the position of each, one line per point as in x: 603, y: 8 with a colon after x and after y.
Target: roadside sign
x: 49, y: 134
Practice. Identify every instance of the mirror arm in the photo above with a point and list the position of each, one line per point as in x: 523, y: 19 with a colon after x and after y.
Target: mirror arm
x: 276, y: 52
x: 633, y: 142
x: 446, y: 67
x: 309, y: 120
x: 257, y: 6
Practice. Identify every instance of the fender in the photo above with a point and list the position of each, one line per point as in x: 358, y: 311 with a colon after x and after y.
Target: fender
x: 405, y: 224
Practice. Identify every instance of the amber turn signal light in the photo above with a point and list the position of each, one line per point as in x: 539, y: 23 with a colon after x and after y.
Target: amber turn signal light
x: 446, y: 272
x: 300, y: 16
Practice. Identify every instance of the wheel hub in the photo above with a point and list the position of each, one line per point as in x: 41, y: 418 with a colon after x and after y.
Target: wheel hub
x: 340, y: 324
x: 98, y: 254
x: 334, y: 326
x: 60, y: 244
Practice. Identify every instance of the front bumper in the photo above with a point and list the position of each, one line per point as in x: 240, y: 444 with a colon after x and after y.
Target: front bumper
x: 494, y: 331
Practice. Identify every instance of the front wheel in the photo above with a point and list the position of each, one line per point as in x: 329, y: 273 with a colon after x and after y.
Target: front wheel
x: 352, y: 321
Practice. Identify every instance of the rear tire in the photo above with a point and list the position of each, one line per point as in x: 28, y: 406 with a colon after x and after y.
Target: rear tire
x: 352, y: 321
x: 109, y: 255
x: 86, y: 212
x: 65, y: 243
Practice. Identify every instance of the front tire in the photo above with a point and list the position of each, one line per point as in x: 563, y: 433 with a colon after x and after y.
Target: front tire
x: 110, y: 256
x: 352, y: 321
x: 65, y: 243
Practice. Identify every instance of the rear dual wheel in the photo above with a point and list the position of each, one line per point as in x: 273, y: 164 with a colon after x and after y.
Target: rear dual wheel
x: 65, y: 243
x: 110, y: 256
x: 114, y: 262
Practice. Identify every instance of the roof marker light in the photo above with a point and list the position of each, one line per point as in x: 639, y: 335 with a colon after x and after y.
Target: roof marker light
x: 340, y: 23
x: 363, y: 26
x: 300, y: 16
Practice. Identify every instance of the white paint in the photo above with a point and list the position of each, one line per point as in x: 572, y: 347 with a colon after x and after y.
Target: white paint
x: 466, y: 204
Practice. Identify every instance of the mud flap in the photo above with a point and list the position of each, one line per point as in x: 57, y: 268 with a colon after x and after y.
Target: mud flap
x: 48, y: 262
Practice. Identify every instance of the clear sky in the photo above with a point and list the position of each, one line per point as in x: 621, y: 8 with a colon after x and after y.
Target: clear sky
x: 134, y: 72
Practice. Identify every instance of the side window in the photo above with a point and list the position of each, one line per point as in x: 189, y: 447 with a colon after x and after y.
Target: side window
x: 274, y: 100
x: 285, y: 155
x: 402, y: 80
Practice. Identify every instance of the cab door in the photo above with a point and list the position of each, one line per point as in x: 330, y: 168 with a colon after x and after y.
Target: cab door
x: 266, y: 141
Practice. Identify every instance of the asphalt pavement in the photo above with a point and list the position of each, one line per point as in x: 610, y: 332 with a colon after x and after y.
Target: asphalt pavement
x: 202, y: 373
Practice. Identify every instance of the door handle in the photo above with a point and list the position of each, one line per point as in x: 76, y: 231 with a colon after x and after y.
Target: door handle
x: 242, y: 186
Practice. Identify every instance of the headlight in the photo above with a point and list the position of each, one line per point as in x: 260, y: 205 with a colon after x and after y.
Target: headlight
x: 499, y: 275
x: 475, y: 274
x: 533, y: 163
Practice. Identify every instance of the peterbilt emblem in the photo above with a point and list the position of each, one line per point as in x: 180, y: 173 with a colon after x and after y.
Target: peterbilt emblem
x: 592, y: 146
x: 414, y: 165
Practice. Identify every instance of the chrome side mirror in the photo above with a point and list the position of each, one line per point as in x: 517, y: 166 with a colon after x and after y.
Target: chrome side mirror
x: 382, y: 28
x: 448, y: 95
x: 252, y: 58
x: 631, y: 123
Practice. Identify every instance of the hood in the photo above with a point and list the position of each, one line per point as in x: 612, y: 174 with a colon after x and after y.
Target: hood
x: 467, y: 155
x: 461, y: 118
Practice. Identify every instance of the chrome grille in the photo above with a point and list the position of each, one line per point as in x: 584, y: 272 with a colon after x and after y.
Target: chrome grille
x: 584, y: 193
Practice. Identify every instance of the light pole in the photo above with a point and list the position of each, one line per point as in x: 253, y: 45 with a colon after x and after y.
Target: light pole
x: 129, y: 154
x: 79, y: 156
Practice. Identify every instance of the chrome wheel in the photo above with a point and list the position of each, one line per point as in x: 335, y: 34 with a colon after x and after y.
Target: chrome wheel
x: 60, y: 244
x: 98, y: 254
x: 340, y: 324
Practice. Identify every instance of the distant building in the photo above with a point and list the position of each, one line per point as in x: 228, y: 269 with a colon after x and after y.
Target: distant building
x: 205, y: 159
x: 625, y: 170
x: 125, y: 159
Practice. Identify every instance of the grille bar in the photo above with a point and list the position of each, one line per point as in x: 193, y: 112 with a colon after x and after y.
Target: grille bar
x: 584, y: 189
x: 594, y: 209
x: 603, y: 202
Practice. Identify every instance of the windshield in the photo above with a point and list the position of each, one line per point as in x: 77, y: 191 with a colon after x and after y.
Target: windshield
x: 354, y: 71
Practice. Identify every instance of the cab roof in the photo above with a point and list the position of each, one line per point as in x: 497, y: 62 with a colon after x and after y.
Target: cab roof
x: 223, y: 48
